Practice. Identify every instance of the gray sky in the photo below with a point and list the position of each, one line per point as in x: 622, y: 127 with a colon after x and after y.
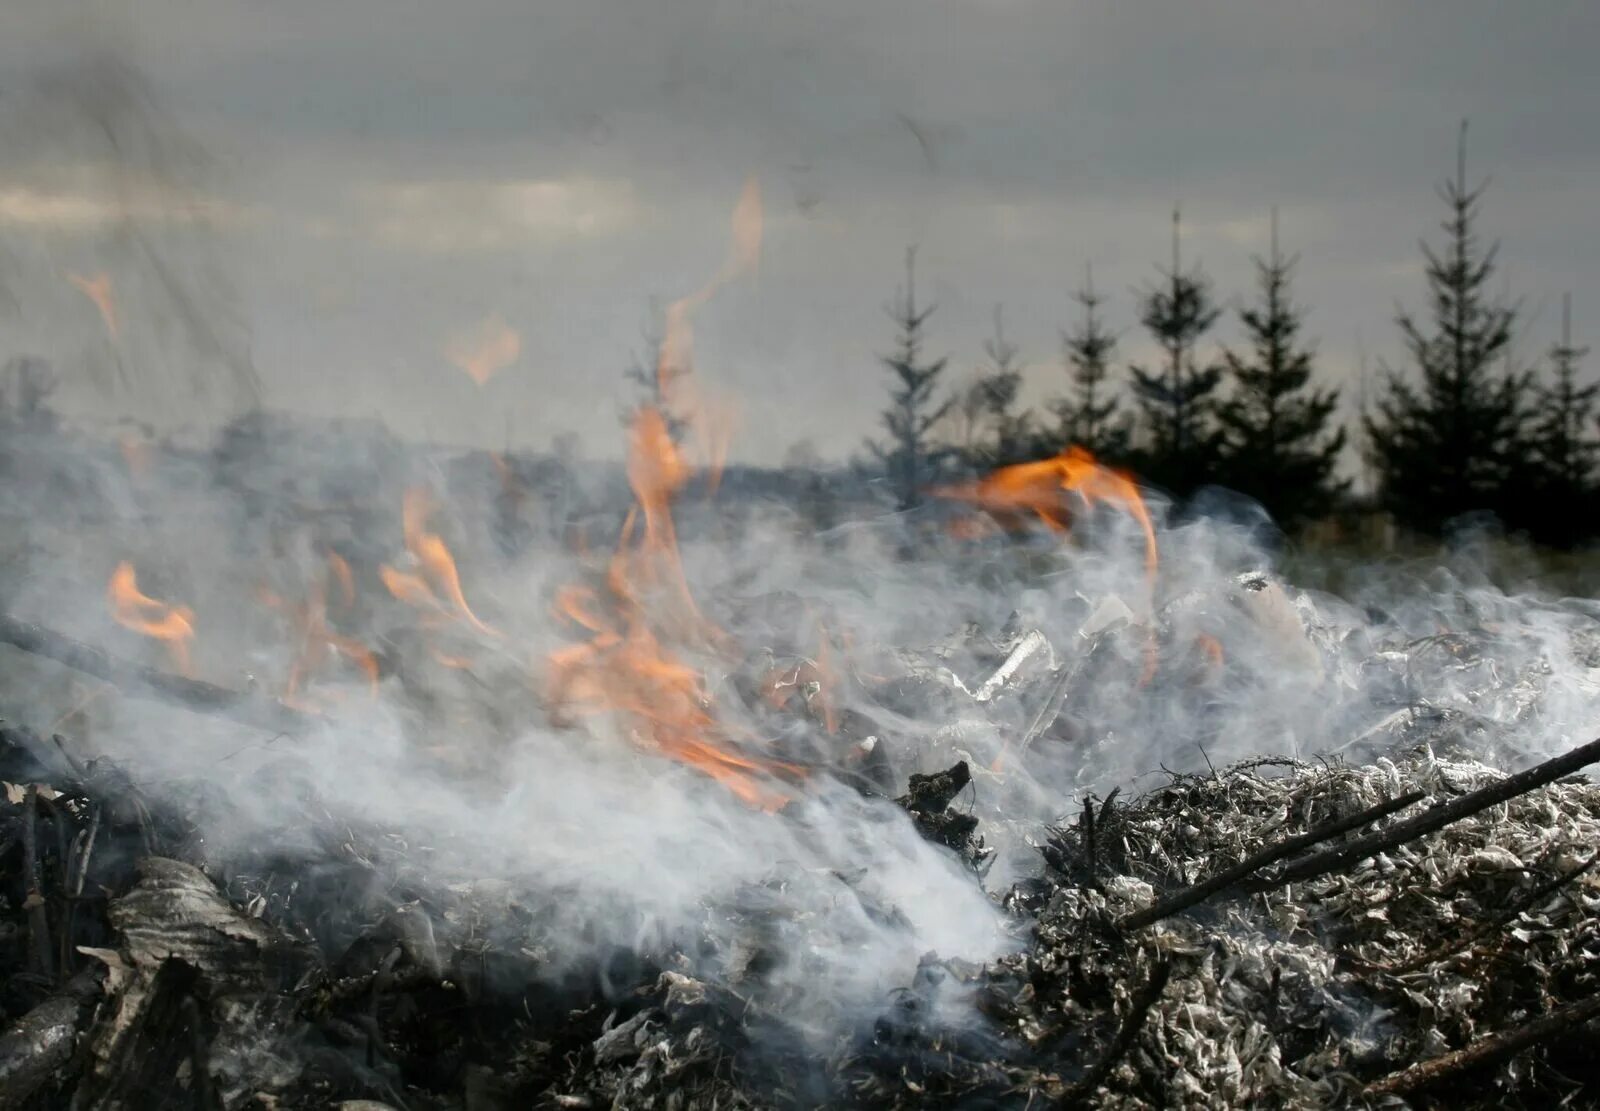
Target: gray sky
x: 343, y: 195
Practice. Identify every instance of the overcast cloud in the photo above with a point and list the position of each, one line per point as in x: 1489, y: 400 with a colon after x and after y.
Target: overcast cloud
x: 335, y: 197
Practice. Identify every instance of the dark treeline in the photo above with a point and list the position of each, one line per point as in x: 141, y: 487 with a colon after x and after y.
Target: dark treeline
x: 1460, y: 428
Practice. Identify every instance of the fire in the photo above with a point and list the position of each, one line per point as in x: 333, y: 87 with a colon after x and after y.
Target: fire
x: 172, y: 625
x: 628, y: 666
x: 97, y: 287
x: 710, y: 424
x: 137, y: 454
x: 485, y: 350
x: 1038, y: 488
x: 436, y: 587
x: 1212, y: 659
x: 315, y: 641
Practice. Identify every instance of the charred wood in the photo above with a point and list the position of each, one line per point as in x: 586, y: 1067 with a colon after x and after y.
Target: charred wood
x: 1487, y: 1051
x: 137, y: 680
x: 1225, y: 880
x: 42, y: 1042
x: 1434, y: 818
x: 1148, y: 995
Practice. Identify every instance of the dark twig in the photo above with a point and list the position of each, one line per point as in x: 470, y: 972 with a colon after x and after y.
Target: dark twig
x: 1146, y: 998
x: 138, y: 680
x: 1088, y: 835
x: 1496, y: 1047
x: 38, y: 920
x: 81, y: 873
x: 1230, y: 877
x: 199, y: 1056
x: 1434, y: 818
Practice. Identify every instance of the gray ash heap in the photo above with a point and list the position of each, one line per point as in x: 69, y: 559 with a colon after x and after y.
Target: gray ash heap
x: 881, y: 817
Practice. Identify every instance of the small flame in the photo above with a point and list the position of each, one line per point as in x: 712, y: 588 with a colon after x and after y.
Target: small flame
x: 486, y: 350
x: 138, y: 454
x: 1212, y: 658
x: 1040, y: 487
x: 172, y: 625
x: 315, y: 641
x: 436, y: 587
x: 341, y: 575
x: 1037, y: 488
x: 97, y: 287
x: 711, y: 424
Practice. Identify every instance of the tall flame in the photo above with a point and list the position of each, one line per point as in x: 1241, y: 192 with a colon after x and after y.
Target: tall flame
x: 626, y: 666
x: 172, y: 625
x: 710, y: 423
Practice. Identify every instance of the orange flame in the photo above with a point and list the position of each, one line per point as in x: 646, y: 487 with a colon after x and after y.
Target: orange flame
x: 710, y: 424
x: 626, y: 667
x: 315, y: 641
x: 1038, y: 488
x: 1214, y: 658
x: 137, y: 454
x: 172, y: 625
x: 436, y: 589
x: 97, y: 287
x: 486, y: 350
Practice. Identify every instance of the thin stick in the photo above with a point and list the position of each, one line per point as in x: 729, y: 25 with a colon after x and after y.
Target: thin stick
x: 1496, y: 1047
x: 1200, y: 892
x: 199, y: 1056
x: 1147, y: 997
x: 137, y: 680
x: 38, y: 919
x: 82, y: 871
x: 1434, y: 818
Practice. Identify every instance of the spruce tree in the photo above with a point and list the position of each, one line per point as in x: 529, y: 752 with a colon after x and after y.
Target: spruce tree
x: 1088, y: 416
x: 1565, y: 455
x: 908, y: 455
x: 997, y: 386
x: 1449, y: 444
x: 1179, y: 451
x: 1276, y: 444
x: 653, y: 380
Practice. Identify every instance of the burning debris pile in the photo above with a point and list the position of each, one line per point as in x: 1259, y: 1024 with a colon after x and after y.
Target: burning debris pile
x: 671, y: 812
x: 1272, y: 934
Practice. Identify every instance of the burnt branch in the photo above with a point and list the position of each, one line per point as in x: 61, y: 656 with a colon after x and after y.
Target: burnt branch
x: 1430, y: 820
x: 1147, y: 997
x: 139, y: 681
x: 1487, y: 1051
x: 1231, y: 877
